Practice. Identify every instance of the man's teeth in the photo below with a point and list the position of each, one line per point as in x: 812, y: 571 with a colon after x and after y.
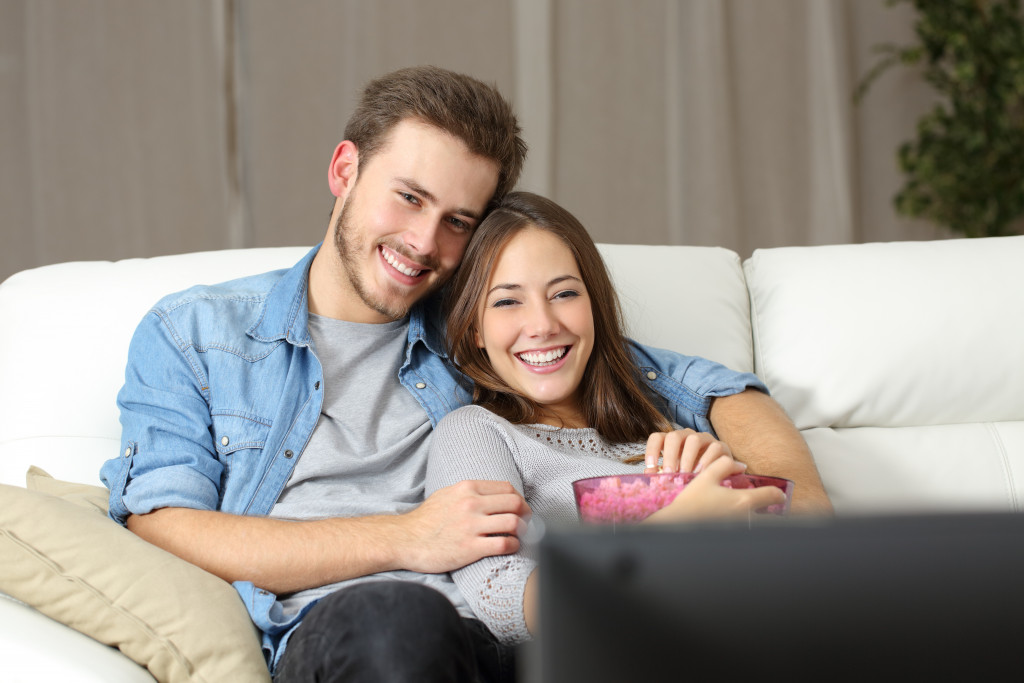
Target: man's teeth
x: 545, y: 358
x: 397, y: 265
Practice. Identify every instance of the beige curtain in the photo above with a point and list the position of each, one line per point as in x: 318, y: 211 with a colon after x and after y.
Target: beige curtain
x: 135, y: 128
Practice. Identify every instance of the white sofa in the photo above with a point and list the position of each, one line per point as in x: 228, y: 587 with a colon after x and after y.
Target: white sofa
x: 902, y: 364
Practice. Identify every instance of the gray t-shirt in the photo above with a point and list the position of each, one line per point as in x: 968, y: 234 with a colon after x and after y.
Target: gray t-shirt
x: 541, y: 462
x: 367, y: 454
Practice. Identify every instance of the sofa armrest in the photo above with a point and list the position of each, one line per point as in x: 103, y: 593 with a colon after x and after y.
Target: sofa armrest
x: 34, y: 647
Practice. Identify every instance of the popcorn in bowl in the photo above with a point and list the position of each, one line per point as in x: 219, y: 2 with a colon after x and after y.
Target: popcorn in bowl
x: 630, y: 498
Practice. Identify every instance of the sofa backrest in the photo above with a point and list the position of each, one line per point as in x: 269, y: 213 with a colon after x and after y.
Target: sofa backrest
x: 903, y: 364
x: 67, y: 329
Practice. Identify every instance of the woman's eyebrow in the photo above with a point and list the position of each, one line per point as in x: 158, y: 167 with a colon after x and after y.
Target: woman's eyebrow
x: 552, y: 281
x: 505, y: 285
x: 563, y: 278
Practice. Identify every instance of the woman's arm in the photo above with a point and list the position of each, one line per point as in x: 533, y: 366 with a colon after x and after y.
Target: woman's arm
x: 471, y: 443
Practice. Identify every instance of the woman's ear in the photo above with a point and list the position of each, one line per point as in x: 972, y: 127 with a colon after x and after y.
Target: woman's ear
x: 341, y: 174
x: 478, y: 338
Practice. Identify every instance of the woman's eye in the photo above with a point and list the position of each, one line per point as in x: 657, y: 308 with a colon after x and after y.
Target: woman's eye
x: 501, y: 303
x: 566, y: 294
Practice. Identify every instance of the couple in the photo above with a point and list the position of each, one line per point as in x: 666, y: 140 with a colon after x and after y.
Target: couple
x: 276, y: 429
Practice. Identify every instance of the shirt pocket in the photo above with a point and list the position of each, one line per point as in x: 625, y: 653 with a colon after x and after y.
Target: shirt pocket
x: 238, y: 435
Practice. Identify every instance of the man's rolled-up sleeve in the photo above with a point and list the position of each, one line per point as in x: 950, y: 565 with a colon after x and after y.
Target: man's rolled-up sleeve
x: 167, y: 457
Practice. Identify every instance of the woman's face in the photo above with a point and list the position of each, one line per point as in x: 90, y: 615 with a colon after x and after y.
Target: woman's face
x: 536, y: 325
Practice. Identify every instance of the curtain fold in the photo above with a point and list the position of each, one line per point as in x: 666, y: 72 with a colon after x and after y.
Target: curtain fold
x: 135, y: 129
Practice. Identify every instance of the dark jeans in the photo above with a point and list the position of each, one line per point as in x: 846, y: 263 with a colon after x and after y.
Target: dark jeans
x: 392, y: 631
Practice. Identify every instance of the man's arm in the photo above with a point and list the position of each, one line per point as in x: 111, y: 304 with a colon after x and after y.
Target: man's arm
x: 761, y: 435
x: 452, y: 528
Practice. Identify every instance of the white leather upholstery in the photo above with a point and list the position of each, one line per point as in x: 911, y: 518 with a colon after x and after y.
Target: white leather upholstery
x: 63, y: 355
x: 689, y: 299
x: 905, y: 364
x: 37, y: 649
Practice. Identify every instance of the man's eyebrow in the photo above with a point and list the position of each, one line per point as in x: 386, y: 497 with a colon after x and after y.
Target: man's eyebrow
x: 429, y: 196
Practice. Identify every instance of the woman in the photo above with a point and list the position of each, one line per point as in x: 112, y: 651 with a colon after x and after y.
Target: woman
x: 534, y: 321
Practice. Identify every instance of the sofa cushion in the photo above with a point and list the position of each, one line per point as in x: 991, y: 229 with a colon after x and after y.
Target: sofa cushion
x: 901, y: 364
x: 65, y: 557
x: 891, y: 335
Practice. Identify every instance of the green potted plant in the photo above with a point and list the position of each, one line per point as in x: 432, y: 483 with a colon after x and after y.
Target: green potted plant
x: 965, y: 169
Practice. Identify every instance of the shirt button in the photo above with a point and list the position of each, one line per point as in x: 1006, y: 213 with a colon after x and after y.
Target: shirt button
x: 224, y: 441
x: 317, y: 385
x: 127, y: 452
x: 421, y: 385
x: 652, y: 375
x: 288, y: 454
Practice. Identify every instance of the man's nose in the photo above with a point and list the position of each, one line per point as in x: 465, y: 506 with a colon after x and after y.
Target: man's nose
x: 421, y: 236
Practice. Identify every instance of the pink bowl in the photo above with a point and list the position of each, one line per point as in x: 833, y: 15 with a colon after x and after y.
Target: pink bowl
x: 628, y: 498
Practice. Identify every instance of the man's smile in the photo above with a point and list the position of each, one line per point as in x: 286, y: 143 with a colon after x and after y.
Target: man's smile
x: 399, y: 263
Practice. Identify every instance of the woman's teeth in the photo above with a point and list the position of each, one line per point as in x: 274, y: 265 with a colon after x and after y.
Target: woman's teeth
x: 399, y: 267
x: 543, y: 358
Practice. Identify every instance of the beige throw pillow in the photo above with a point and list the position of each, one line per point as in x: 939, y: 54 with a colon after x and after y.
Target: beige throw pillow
x: 66, y: 558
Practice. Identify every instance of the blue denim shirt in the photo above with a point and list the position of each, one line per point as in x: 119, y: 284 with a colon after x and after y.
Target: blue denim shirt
x: 222, y: 392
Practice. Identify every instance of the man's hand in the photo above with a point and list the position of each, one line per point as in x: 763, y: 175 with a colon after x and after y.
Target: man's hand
x: 460, y: 524
x: 761, y: 435
x: 684, y: 450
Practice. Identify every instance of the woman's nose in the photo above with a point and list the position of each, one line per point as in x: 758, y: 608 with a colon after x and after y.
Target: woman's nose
x: 542, y: 323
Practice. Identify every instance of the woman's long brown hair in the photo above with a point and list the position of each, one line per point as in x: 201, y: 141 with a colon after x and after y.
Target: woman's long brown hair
x: 613, y: 400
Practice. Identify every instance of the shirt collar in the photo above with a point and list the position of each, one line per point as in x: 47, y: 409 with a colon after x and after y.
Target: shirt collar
x: 426, y: 324
x: 285, y: 312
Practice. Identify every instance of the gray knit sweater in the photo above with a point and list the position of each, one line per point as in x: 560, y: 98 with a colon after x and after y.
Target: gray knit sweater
x: 541, y: 462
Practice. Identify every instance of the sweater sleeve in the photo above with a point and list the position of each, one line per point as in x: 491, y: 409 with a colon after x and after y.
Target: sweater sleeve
x: 470, y: 443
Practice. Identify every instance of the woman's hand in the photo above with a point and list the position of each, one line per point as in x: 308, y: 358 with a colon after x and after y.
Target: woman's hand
x: 706, y: 498
x: 684, y: 450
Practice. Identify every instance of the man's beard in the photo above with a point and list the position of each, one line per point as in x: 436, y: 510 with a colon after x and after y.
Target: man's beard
x: 392, y: 303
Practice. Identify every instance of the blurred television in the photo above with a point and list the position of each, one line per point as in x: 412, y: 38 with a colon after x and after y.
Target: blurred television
x: 926, y: 597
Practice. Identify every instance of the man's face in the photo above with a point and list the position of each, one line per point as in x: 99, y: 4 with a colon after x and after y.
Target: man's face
x: 406, y: 220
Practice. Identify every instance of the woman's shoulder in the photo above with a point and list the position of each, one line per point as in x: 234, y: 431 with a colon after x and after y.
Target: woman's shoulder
x: 472, y: 417
x: 470, y: 413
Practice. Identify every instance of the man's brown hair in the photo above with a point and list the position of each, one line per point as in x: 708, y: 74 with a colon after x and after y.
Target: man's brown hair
x: 613, y: 400
x: 460, y: 105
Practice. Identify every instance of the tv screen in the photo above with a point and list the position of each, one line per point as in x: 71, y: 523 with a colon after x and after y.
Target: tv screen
x: 937, y: 597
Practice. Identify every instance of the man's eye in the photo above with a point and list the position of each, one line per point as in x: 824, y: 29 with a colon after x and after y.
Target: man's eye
x: 459, y: 224
x: 412, y: 199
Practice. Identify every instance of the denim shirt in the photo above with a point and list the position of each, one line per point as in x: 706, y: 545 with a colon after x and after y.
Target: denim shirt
x: 223, y: 390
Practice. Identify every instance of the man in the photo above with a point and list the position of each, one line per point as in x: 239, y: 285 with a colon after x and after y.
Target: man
x: 275, y: 428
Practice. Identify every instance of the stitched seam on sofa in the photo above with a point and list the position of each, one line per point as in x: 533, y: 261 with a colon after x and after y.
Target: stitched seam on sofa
x: 54, y: 568
x: 997, y: 439
x: 756, y: 346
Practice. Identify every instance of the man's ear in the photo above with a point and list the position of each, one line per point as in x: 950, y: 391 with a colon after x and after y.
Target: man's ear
x: 341, y: 174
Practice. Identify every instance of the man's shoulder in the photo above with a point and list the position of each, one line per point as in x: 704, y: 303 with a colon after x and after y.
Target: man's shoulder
x: 240, y: 292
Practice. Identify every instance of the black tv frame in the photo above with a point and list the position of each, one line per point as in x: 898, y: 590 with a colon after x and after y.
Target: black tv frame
x: 921, y: 597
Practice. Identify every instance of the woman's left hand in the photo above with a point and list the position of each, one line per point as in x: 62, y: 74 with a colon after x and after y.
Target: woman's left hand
x: 683, y: 450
